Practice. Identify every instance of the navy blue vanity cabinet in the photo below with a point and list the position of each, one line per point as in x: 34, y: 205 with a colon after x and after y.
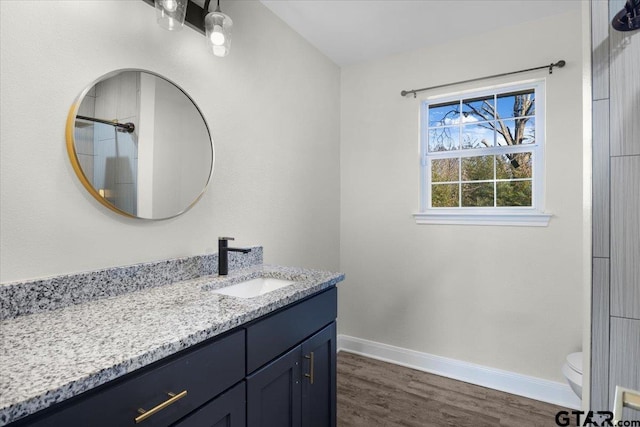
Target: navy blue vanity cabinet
x: 298, y: 388
x: 319, y: 379
x: 276, y: 371
x: 167, y: 390
x: 227, y: 410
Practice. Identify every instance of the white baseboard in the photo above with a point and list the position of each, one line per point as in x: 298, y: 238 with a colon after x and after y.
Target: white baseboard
x: 522, y: 385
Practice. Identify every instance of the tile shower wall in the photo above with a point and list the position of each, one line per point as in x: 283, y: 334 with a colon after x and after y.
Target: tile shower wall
x: 115, y: 154
x: 84, y: 134
x: 616, y: 206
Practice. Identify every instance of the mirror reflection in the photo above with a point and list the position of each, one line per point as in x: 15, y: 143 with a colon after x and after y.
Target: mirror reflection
x: 140, y: 145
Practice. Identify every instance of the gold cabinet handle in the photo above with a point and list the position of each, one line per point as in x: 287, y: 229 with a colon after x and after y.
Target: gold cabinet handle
x: 173, y: 398
x: 310, y: 374
x: 625, y: 397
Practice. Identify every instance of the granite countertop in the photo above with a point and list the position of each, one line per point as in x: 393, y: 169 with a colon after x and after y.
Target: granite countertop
x: 47, y: 357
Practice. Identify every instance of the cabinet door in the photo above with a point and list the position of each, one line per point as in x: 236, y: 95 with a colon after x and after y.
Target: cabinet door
x: 226, y: 410
x: 273, y: 393
x: 319, y: 379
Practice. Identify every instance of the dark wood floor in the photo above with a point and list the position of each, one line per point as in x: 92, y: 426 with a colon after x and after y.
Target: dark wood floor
x: 373, y: 393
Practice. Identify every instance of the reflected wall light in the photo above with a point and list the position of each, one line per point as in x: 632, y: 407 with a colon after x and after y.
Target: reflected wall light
x: 215, y: 26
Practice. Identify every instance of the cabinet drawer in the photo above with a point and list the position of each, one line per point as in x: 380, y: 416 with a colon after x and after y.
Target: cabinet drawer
x: 202, y: 373
x: 270, y: 337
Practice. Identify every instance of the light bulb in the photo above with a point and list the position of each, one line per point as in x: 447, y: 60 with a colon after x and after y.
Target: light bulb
x: 219, y: 51
x: 170, y: 5
x: 217, y: 36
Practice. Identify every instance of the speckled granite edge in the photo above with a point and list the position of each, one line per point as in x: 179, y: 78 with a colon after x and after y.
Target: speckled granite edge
x: 32, y: 296
x: 240, y: 311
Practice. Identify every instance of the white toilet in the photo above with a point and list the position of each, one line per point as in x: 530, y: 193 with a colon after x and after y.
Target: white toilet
x: 572, y: 370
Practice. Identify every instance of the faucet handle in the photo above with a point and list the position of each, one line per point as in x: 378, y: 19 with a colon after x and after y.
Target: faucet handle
x: 226, y: 238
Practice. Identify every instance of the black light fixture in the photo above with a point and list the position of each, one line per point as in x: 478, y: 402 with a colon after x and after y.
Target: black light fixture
x: 628, y: 19
x: 215, y: 26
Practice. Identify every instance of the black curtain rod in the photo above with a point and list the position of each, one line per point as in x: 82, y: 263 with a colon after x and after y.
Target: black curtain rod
x: 558, y: 64
x: 126, y: 127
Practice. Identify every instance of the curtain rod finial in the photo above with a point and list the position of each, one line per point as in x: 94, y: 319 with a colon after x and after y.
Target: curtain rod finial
x: 407, y: 92
x: 558, y: 64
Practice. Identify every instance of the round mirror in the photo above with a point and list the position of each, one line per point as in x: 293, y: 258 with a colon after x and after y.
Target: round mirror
x: 140, y: 145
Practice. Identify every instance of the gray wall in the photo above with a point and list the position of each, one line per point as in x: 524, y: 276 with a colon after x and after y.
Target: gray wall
x: 272, y: 106
x: 462, y: 291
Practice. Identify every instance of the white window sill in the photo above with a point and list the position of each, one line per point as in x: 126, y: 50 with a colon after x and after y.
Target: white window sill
x: 521, y: 219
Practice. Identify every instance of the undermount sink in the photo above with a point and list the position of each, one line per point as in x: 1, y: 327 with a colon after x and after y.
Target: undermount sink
x: 254, y: 287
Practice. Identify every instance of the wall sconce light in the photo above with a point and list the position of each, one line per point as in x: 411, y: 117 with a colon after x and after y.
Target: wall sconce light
x: 170, y: 13
x: 215, y: 26
x: 218, y: 30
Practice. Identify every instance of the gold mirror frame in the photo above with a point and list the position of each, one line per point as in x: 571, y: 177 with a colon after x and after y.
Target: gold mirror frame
x: 75, y: 162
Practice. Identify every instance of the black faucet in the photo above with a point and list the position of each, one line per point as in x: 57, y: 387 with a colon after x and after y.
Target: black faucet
x: 223, y: 254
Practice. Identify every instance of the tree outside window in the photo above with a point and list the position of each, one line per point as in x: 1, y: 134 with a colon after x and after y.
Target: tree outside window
x: 480, y: 151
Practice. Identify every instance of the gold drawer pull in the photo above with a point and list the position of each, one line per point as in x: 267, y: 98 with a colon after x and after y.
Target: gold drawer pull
x: 173, y: 398
x: 310, y: 374
x: 625, y: 397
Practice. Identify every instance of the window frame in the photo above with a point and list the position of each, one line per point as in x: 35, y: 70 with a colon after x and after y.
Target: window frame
x: 533, y: 215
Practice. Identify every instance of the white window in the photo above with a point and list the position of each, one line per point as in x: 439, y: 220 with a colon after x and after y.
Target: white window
x: 482, y: 157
